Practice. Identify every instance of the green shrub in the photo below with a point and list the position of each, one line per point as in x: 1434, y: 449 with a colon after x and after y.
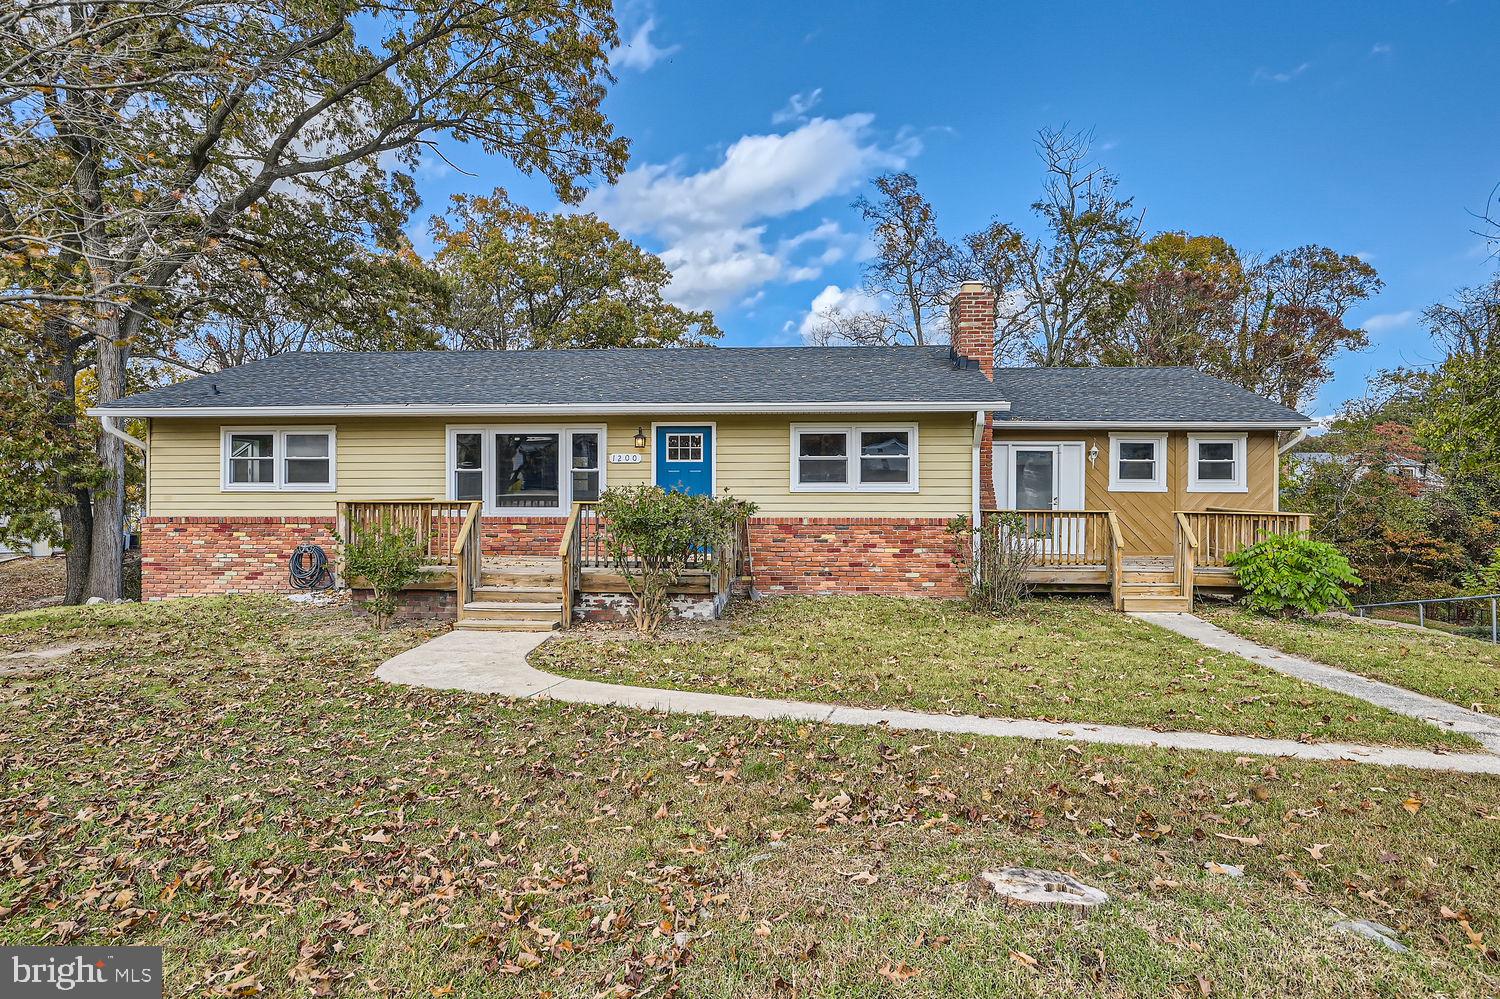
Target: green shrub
x: 386, y: 557
x: 653, y: 535
x: 1290, y: 574
x: 995, y: 561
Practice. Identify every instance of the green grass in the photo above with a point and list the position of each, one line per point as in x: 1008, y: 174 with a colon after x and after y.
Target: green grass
x: 226, y: 779
x: 1066, y: 660
x: 1463, y: 670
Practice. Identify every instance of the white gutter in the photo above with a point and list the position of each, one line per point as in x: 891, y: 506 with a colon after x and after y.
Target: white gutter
x: 1150, y: 425
x: 107, y: 422
x: 571, y: 408
x: 1297, y: 438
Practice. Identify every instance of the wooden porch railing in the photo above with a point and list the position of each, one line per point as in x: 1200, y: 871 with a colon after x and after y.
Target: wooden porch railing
x: 1221, y: 532
x: 436, y: 523
x: 1066, y: 538
x: 447, y: 530
x: 570, y: 554
x: 1116, y: 561
x: 1187, y: 556
x: 468, y: 557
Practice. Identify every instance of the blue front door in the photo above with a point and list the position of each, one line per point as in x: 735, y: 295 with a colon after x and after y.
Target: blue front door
x: 685, y: 459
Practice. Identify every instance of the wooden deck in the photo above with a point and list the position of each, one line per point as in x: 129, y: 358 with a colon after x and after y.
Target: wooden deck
x: 1083, y: 551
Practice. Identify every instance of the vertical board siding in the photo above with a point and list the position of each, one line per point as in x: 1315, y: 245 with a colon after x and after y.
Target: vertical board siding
x: 405, y: 458
x: 1146, y: 519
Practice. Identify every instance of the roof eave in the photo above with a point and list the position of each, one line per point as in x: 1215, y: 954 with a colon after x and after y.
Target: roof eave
x: 1156, y: 424
x: 143, y: 412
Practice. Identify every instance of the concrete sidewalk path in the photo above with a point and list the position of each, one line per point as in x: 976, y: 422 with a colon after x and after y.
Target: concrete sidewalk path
x: 1484, y: 729
x: 495, y: 663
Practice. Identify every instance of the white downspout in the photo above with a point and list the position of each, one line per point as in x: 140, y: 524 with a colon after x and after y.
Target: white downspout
x: 108, y: 423
x: 975, y: 483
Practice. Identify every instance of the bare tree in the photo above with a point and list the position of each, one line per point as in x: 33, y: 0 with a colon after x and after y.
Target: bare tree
x: 1470, y: 326
x: 1057, y: 284
x: 911, y: 275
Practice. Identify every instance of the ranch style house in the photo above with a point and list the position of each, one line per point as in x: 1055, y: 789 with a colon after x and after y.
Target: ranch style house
x: 1132, y: 481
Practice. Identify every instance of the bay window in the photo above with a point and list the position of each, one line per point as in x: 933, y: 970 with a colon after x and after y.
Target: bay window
x: 282, y: 458
x: 859, y: 458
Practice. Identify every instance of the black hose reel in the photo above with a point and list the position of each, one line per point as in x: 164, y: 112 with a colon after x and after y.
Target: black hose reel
x: 309, y: 568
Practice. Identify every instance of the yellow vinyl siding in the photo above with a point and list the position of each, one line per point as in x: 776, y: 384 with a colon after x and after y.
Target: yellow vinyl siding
x: 1146, y: 519
x: 400, y: 457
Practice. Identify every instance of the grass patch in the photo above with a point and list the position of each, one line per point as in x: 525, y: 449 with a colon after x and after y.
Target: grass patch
x: 1065, y: 660
x: 1463, y: 670
x: 225, y: 778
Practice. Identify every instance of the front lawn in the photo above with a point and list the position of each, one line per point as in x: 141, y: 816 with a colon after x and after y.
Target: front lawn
x: 1463, y: 670
x: 1065, y: 659
x: 225, y: 778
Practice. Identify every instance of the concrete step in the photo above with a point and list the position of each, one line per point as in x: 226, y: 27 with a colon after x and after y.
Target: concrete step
x: 518, y: 594
x: 485, y: 610
x: 1156, y: 604
x: 484, y: 624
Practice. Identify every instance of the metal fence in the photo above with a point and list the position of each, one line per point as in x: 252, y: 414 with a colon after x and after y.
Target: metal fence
x: 1421, y: 605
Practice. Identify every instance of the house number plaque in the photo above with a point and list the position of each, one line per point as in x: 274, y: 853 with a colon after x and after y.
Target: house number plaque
x: 625, y: 458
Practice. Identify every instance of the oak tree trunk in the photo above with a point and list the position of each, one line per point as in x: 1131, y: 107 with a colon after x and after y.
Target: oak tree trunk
x: 108, y: 535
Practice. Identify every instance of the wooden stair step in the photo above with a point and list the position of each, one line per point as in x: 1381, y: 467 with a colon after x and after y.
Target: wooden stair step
x: 487, y: 624
x: 1160, y: 604
x: 484, y: 610
x: 521, y: 578
x: 518, y: 594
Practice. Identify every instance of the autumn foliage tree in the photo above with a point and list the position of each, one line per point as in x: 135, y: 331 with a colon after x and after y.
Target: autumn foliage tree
x: 139, y: 142
x: 517, y: 278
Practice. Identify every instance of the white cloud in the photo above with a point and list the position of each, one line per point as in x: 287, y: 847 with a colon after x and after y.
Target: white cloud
x: 712, y: 221
x: 1365, y: 255
x: 1382, y: 48
x: 836, y: 299
x: 797, y: 107
x: 1264, y: 75
x: 638, y: 52
x: 1386, y: 321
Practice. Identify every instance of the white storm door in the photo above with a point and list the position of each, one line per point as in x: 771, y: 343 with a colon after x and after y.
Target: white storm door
x: 1048, y: 477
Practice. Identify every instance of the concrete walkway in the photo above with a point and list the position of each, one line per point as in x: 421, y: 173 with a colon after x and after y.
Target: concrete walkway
x: 1485, y: 729
x: 495, y: 663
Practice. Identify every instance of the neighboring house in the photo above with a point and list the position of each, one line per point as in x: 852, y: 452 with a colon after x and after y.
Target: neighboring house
x: 1422, y: 473
x: 858, y: 458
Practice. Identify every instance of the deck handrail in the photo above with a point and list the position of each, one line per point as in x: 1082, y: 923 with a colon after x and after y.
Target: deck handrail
x: 1222, y: 531
x: 568, y: 552
x: 1063, y: 538
x: 467, y: 558
x: 1116, y: 561
x: 1187, y: 557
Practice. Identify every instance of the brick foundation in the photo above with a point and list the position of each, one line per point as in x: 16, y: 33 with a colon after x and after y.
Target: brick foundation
x: 193, y: 556
x: 900, y: 556
x: 530, y: 536
x: 903, y: 556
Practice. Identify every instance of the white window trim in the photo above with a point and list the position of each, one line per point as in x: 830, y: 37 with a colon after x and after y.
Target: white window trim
x: 278, y: 461
x: 1240, y: 482
x: 1154, y: 485
x: 851, y: 432
x: 487, y: 434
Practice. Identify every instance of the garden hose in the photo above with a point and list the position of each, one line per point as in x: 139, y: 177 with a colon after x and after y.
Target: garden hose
x: 309, y: 569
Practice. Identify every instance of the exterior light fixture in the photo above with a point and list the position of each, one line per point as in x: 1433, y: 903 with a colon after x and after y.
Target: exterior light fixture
x: 640, y: 438
x: 1093, y: 454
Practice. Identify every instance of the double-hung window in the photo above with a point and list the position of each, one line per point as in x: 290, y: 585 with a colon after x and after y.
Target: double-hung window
x: 865, y: 458
x: 525, y: 471
x: 285, y: 458
x: 1137, y: 463
x: 1216, y: 463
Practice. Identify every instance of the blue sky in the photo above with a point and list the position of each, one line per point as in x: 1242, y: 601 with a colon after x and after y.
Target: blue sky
x: 1372, y: 128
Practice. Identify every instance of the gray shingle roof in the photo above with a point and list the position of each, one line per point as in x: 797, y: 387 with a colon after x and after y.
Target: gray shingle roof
x: 1133, y: 395
x: 581, y: 378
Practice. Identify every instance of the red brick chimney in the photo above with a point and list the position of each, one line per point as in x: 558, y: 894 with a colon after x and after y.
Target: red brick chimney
x: 971, y: 324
